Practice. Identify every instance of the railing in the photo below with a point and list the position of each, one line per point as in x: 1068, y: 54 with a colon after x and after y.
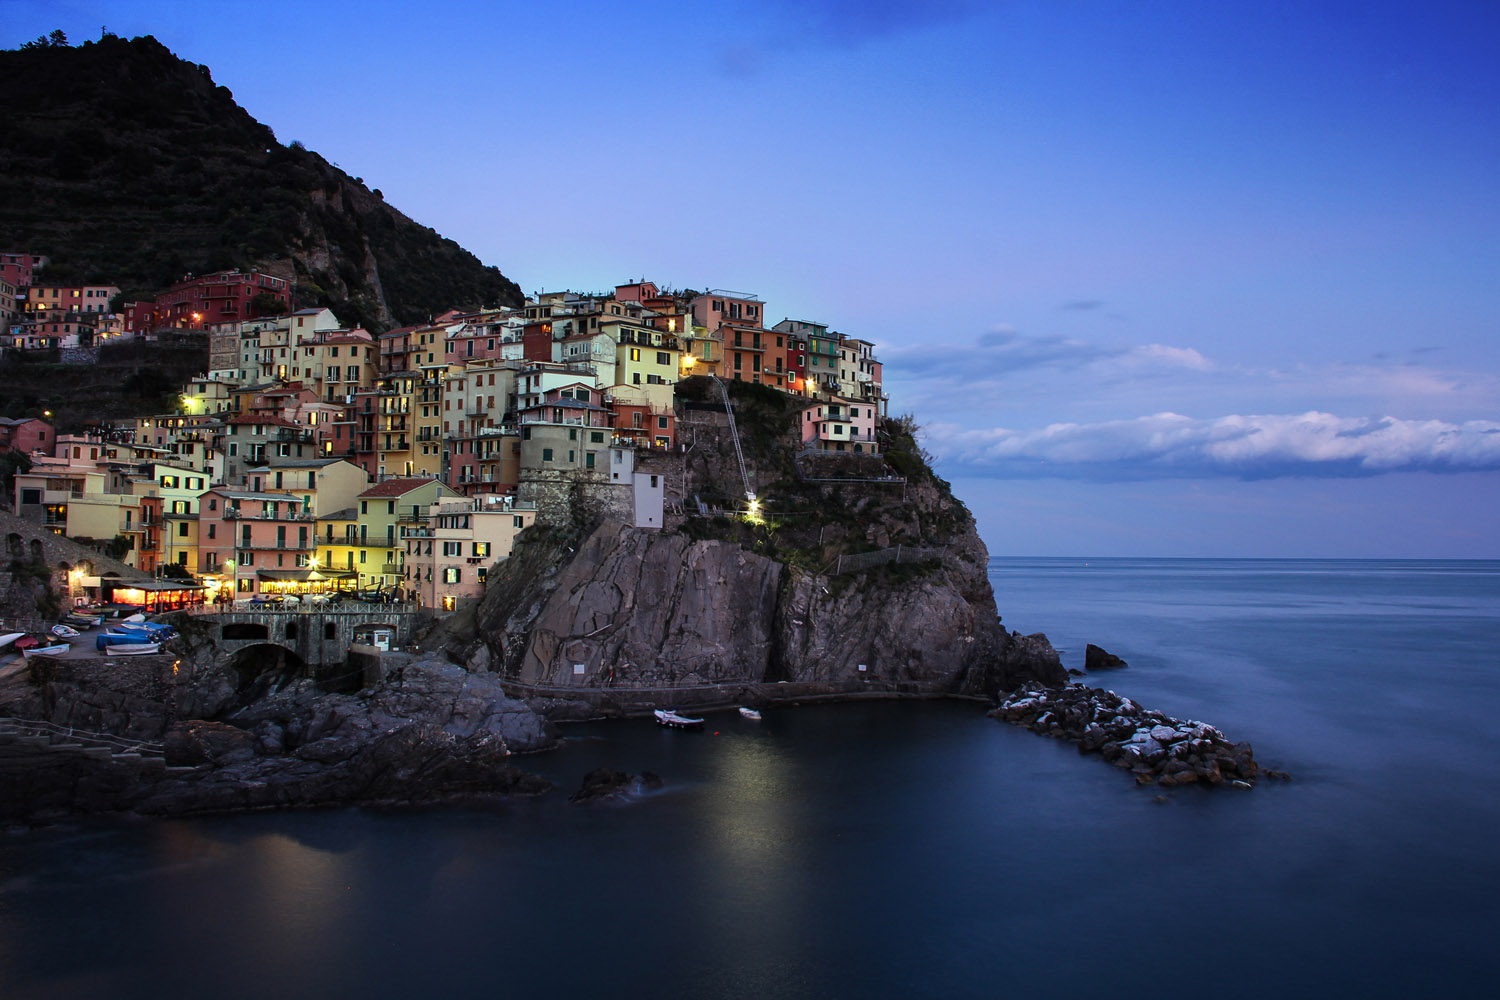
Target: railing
x: 116, y: 744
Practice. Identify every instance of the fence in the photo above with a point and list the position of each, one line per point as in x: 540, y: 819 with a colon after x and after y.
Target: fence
x: 67, y: 734
x: 861, y: 561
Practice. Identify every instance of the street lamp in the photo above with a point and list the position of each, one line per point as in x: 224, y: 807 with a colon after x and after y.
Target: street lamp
x: 234, y: 580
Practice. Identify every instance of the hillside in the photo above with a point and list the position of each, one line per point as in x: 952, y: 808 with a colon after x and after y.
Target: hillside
x: 124, y: 163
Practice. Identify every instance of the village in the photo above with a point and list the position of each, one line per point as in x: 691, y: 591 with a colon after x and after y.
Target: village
x: 316, y: 462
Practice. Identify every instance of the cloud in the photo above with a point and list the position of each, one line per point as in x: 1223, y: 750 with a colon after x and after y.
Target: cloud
x: 1082, y: 304
x: 1004, y: 351
x: 1172, y: 446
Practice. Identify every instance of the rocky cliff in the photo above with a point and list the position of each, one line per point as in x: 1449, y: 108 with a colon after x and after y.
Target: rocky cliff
x: 131, y: 166
x: 850, y: 584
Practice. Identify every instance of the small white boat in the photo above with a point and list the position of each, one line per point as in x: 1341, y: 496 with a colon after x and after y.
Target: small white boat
x: 137, y: 617
x: 61, y: 647
x: 675, y: 720
x: 9, y: 637
x: 750, y: 713
x: 134, y: 649
x: 64, y: 632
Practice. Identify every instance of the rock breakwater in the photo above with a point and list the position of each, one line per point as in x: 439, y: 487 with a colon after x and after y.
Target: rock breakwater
x: 1153, y: 746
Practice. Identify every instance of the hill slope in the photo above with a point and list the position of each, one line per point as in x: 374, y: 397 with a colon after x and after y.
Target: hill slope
x: 124, y: 163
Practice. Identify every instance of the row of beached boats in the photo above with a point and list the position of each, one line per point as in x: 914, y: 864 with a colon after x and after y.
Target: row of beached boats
x: 132, y: 636
x: 673, y: 719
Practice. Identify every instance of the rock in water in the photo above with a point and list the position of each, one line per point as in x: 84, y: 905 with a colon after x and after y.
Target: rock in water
x: 605, y: 783
x: 1097, y: 658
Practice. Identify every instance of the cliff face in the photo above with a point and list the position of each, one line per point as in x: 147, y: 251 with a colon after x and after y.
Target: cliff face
x: 636, y: 615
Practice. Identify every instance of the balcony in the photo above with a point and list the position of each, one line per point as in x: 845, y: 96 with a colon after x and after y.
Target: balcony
x: 288, y: 434
x: 474, y: 410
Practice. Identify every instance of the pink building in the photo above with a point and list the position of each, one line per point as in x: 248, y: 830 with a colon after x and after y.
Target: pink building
x: 263, y: 534
x: 27, y: 435
x: 716, y: 307
x: 840, y: 425
x: 448, y: 560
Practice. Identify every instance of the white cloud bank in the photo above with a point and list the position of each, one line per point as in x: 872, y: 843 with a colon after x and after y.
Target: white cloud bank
x: 1169, y: 445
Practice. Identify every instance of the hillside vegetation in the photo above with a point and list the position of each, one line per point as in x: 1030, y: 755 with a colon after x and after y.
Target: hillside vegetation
x: 126, y: 164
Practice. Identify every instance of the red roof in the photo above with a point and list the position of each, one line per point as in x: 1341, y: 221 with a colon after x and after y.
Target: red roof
x: 269, y: 420
x: 397, y: 487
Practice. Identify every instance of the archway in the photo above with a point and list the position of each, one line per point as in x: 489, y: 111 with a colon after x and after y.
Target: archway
x: 263, y: 667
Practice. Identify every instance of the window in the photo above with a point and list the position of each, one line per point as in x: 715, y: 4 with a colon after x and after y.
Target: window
x: 596, y: 437
x: 182, y: 529
x: 546, y: 454
x: 364, y: 506
x: 661, y: 423
x: 662, y: 358
x: 211, y: 527
x: 390, y: 506
x: 588, y: 463
x: 481, y: 549
x: 451, y: 574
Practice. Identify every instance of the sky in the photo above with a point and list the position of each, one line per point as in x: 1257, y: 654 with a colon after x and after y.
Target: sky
x: 1156, y: 279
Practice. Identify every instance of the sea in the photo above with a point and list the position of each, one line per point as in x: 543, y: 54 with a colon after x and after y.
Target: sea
x: 886, y: 849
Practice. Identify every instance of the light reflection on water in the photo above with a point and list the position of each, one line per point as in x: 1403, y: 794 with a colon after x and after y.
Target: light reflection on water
x: 886, y: 849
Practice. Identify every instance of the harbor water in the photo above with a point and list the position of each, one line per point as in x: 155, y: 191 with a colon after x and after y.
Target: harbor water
x: 885, y: 849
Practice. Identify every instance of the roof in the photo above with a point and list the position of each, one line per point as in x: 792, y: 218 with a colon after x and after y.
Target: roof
x: 304, y: 463
x: 246, y: 495
x: 398, y: 487
x: 273, y: 421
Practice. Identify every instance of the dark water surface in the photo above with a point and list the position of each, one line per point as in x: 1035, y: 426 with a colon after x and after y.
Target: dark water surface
x: 887, y: 850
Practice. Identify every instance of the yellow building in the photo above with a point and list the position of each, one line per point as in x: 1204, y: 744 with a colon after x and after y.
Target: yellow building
x: 383, y: 510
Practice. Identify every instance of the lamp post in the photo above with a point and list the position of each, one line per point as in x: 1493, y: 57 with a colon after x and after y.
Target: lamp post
x: 234, y: 580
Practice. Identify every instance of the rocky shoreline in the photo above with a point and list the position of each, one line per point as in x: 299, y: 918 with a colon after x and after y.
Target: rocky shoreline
x: 1154, y: 747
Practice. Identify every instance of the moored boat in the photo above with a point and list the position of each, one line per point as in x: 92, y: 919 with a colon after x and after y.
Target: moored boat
x: 133, y: 649
x: 750, y: 713
x: 673, y: 719
x: 65, y: 633
x: 108, y: 640
x: 10, y: 637
x: 61, y: 647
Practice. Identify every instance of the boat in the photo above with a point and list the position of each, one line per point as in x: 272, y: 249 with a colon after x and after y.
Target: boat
x: 82, y: 621
x: 138, y: 628
x: 134, y: 619
x: 56, y: 650
x: 750, y: 713
x: 133, y: 649
x: 10, y: 637
x: 64, y: 632
x: 673, y: 719
x: 109, y: 640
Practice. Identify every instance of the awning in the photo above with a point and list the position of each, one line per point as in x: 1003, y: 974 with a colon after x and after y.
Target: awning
x: 306, y: 575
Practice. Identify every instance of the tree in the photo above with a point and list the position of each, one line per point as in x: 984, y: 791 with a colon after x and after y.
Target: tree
x: 266, y: 304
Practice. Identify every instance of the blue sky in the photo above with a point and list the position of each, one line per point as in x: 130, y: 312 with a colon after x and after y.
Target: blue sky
x: 1157, y: 278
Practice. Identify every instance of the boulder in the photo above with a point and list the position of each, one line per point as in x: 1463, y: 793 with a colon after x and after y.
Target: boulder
x: 1097, y: 658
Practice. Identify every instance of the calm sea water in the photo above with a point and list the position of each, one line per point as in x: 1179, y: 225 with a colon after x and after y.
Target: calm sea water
x: 887, y: 850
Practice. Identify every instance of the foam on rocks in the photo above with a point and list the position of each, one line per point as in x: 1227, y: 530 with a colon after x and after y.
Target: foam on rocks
x: 1154, y: 747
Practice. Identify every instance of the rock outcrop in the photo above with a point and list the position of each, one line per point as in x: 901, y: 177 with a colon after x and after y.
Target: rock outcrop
x: 1098, y: 658
x: 634, y: 610
x: 429, y: 731
x: 1151, y: 745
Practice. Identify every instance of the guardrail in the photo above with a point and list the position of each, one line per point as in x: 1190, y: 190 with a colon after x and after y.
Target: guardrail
x: 118, y: 744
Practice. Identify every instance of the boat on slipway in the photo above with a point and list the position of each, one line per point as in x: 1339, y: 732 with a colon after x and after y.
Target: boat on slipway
x: 673, y: 719
x: 56, y: 650
x: 133, y: 649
